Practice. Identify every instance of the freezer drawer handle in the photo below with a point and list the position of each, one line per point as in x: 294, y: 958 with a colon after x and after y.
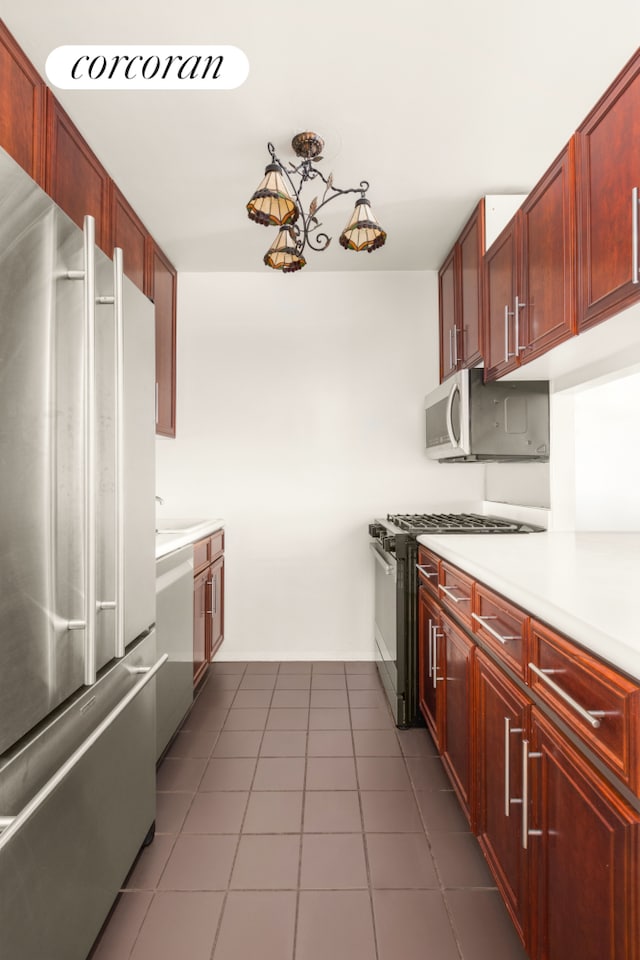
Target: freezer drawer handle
x: 11, y: 825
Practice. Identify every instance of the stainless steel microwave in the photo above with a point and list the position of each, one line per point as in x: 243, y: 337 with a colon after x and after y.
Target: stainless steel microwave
x: 467, y: 419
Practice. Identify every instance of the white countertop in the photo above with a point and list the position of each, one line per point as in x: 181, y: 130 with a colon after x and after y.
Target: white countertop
x: 168, y: 542
x: 585, y: 585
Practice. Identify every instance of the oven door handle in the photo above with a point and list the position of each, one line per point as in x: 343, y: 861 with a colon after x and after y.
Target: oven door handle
x: 381, y: 559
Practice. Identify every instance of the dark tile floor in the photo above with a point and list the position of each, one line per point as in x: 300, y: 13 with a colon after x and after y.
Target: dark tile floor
x: 295, y: 822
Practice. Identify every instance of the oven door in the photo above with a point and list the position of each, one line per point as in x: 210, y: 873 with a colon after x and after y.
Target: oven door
x: 386, y: 621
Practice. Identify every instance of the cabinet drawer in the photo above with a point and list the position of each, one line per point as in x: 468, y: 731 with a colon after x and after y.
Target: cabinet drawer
x: 201, y: 553
x: 428, y: 568
x: 455, y: 590
x: 216, y: 542
x: 502, y: 627
x: 598, y: 703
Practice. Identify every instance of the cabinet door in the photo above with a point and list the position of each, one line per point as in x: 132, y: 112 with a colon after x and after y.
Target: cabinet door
x: 448, y: 298
x: 22, y: 107
x: 500, y: 711
x: 216, y: 580
x: 163, y: 282
x: 430, y: 672
x: 128, y: 232
x: 608, y: 172
x: 546, y: 289
x: 458, y: 653
x: 471, y: 247
x: 201, y: 624
x: 74, y: 176
x: 585, y: 857
x: 499, y: 298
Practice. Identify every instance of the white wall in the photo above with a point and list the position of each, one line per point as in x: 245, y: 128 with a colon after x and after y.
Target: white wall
x: 299, y: 420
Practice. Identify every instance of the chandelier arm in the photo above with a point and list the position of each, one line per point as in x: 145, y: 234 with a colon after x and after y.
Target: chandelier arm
x: 322, y: 240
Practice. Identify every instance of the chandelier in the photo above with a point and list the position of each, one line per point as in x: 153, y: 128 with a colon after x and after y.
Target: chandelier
x: 273, y: 204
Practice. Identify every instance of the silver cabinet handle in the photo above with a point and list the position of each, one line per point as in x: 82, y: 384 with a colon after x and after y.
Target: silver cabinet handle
x: 215, y: 594
x: 210, y: 612
x: 451, y: 596
x: 387, y: 567
x: 526, y: 833
x: 516, y: 313
x: 424, y: 571
x: 507, y: 765
x: 454, y: 337
x: 13, y: 824
x: 634, y: 235
x: 591, y: 716
x: 430, y: 671
x: 436, y: 636
x: 494, y: 633
x: 450, y: 350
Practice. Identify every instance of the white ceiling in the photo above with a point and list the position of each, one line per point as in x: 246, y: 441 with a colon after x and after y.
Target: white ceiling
x: 435, y: 104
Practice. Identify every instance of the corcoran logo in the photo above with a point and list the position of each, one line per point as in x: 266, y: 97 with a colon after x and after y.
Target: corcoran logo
x: 147, y: 67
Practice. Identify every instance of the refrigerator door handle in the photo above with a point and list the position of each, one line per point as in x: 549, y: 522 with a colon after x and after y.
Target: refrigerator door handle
x: 118, y: 282
x: 11, y: 825
x: 90, y: 532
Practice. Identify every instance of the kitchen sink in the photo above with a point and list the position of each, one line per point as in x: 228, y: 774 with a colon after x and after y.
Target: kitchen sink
x: 181, y: 525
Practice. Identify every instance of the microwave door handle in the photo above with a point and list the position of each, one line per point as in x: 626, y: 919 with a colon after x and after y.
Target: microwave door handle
x: 454, y: 389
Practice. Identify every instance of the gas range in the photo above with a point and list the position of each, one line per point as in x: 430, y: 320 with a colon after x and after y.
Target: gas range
x: 412, y: 525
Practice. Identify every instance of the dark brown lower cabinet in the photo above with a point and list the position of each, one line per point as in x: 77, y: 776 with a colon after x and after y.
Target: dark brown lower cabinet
x: 583, y: 849
x: 430, y: 671
x: 458, y: 651
x: 208, y: 601
x: 501, y: 715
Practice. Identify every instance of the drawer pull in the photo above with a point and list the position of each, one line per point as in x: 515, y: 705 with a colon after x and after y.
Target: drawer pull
x: 494, y: 633
x: 451, y: 596
x: 591, y: 716
x: 424, y: 571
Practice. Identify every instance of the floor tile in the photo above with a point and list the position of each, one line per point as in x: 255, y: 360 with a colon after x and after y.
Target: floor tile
x: 217, y: 697
x: 219, y: 682
x: 368, y: 698
x: 371, y: 718
x: 417, y: 742
x: 288, y: 719
x: 330, y: 743
x: 256, y: 924
x: 266, y: 862
x: 228, y: 773
x: 258, y: 681
x: 331, y: 773
x: 171, y: 810
x: 321, y: 718
x: 279, y: 773
x: 193, y: 744
x: 360, y: 666
x: 441, y: 811
x: 376, y: 743
x: 328, y: 666
x: 124, y: 924
x: 180, y: 773
x: 283, y: 743
x: 483, y: 926
x: 274, y: 811
x: 248, y: 719
x: 295, y: 667
x: 179, y: 925
x: 459, y: 860
x: 293, y: 681
x: 400, y: 860
x: 199, y: 862
x: 329, y: 698
x: 290, y: 698
x: 413, y: 925
x: 150, y: 863
x: 390, y: 811
x: 203, y: 716
x: 335, y: 924
x: 247, y: 699
x: 220, y: 811
x: 332, y: 811
x: 238, y: 743
x: 227, y: 666
x: 382, y: 773
x: 333, y: 862
x: 428, y: 773
x: 328, y: 681
x: 265, y: 666
x: 363, y: 681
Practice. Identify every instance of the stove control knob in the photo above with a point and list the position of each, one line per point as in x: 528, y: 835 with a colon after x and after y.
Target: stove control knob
x: 376, y: 530
x: 389, y: 544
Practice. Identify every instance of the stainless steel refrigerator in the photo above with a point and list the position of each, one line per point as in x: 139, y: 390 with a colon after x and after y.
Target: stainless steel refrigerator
x: 77, y: 576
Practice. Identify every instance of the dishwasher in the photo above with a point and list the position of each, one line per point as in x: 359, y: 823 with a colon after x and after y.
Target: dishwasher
x: 174, y: 636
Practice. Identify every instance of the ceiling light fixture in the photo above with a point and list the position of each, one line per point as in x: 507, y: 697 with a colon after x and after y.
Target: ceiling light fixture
x: 274, y: 205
